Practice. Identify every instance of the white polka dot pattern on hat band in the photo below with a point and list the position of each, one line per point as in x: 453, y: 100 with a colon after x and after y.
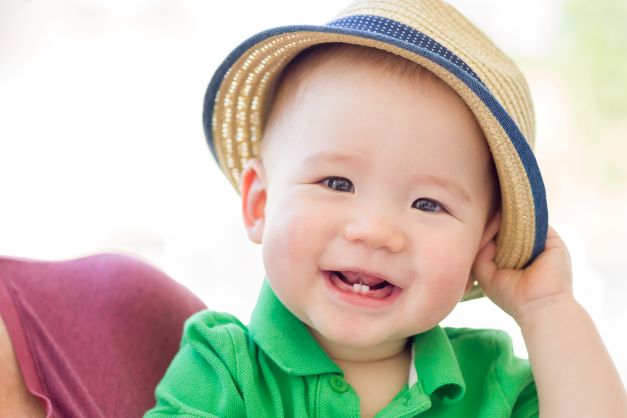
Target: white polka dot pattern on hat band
x: 388, y: 27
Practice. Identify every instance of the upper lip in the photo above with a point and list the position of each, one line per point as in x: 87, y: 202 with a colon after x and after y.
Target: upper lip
x: 367, y: 272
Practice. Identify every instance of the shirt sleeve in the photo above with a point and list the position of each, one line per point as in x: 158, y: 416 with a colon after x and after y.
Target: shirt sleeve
x: 199, y: 381
x: 527, y: 403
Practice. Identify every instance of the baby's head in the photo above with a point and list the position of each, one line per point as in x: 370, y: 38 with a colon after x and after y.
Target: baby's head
x: 367, y: 171
x: 373, y: 194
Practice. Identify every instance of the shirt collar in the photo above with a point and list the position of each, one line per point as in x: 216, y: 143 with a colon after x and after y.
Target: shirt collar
x: 288, y: 342
x: 285, y: 339
x: 437, y: 365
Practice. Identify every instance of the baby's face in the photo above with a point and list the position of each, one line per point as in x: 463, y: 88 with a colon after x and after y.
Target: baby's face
x: 373, y: 198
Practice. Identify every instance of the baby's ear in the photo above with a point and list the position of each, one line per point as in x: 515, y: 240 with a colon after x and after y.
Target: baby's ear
x: 253, y: 193
x: 491, y: 230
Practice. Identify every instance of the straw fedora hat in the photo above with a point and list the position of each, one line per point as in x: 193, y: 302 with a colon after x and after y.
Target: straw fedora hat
x: 434, y: 35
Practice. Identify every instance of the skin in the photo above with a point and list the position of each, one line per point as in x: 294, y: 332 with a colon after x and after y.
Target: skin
x: 392, y: 220
x: 392, y: 136
x: 15, y: 399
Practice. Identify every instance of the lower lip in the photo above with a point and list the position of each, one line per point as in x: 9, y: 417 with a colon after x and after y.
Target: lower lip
x: 356, y: 299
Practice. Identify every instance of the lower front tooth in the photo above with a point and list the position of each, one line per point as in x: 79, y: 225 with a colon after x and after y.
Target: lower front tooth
x: 360, y: 288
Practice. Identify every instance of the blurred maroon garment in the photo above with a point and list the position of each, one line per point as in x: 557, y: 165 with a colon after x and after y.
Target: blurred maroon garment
x: 93, y: 336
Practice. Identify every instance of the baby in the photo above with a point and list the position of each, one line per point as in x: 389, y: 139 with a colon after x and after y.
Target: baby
x: 384, y: 165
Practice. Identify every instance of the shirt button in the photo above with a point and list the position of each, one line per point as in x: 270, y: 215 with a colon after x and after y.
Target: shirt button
x: 338, y: 384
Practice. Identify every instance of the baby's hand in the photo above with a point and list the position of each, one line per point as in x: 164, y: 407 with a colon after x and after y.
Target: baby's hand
x: 548, y: 279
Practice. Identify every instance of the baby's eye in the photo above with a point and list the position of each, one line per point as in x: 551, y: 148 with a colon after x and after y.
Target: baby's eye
x: 339, y: 184
x: 427, y: 205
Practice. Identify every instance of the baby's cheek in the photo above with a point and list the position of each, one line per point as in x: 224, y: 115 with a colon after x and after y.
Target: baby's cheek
x: 449, y: 261
x: 291, y: 238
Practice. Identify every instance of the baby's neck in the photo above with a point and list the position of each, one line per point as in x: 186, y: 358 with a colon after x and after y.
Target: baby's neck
x: 377, y: 381
x: 349, y: 353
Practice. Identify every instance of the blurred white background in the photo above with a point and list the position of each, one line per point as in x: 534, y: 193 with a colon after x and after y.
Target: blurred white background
x: 102, y: 149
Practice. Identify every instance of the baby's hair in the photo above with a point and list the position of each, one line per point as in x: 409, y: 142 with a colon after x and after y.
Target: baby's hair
x: 355, y: 55
x: 290, y: 80
x: 290, y: 83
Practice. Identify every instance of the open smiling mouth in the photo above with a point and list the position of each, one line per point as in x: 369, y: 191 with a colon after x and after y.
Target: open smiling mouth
x: 362, y: 284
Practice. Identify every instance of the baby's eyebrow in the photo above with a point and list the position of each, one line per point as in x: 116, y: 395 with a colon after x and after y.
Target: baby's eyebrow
x: 333, y: 156
x: 448, y: 184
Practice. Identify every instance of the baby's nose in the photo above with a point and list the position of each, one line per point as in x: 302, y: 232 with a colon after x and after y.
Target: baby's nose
x: 376, y: 232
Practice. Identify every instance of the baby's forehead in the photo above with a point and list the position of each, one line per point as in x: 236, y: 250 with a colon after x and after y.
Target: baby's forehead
x: 325, y: 63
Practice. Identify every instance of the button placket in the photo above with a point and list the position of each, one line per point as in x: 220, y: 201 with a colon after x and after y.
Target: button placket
x: 334, y: 390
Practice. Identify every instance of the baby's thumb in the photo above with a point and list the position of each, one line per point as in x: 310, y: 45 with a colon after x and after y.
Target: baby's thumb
x: 484, y: 268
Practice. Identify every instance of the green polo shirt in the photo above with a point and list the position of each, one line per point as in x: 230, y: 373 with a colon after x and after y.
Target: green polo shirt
x: 275, y: 368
